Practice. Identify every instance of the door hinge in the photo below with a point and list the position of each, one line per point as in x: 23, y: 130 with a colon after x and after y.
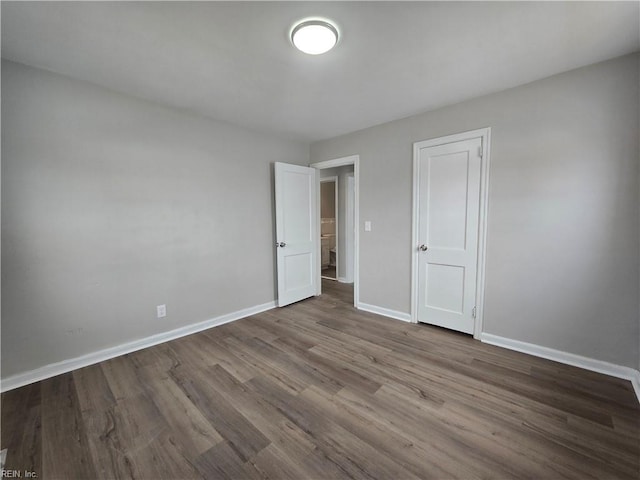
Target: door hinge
x: 474, y: 311
x: 480, y: 151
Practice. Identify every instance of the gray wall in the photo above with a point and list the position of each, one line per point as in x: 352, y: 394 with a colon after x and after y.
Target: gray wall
x: 342, y: 173
x: 112, y: 205
x: 562, y: 258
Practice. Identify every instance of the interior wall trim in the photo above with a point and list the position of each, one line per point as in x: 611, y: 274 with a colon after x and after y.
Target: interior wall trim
x: 618, y: 371
x: 385, y: 312
x: 53, y: 369
x: 340, y: 162
x: 635, y: 381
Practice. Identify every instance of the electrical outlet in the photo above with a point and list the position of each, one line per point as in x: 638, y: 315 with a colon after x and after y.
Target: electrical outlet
x: 162, y: 311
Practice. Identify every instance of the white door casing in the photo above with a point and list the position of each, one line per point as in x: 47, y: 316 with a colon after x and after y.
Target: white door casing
x: 349, y: 230
x: 449, y: 216
x: 297, y: 236
x: 339, y: 162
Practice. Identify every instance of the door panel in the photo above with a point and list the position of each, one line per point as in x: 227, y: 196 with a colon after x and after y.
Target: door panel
x: 447, y: 200
x: 296, y: 236
x: 297, y: 205
x: 445, y: 287
x: 448, y: 216
x: 297, y: 268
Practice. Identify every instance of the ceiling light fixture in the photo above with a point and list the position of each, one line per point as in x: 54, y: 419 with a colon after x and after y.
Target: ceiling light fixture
x: 314, y: 36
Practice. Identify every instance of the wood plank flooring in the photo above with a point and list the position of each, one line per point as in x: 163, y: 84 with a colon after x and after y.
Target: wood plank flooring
x: 319, y: 390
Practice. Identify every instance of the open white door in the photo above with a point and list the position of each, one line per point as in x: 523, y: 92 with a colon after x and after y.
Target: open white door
x: 296, y: 232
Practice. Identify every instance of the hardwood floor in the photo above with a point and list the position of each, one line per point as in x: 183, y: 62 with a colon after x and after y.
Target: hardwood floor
x: 330, y: 272
x: 319, y: 390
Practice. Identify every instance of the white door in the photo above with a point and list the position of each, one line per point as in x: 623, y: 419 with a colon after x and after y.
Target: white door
x: 448, y: 205
x: 296, y: 232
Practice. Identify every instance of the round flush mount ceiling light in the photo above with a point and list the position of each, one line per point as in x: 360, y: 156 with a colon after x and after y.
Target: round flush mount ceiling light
x: 314, y: 36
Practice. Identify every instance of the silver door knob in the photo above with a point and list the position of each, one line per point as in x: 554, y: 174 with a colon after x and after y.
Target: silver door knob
x: 423, y: 248
x: 281, y: 244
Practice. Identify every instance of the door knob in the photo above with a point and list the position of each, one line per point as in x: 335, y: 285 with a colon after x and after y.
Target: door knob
x: 281, y: 244
x: 423, y: 247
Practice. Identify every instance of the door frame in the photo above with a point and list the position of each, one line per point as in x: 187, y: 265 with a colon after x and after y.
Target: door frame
x: 350, y: 226
x: 485, y: 135
x: 333, y: 179
x: 340, y: 162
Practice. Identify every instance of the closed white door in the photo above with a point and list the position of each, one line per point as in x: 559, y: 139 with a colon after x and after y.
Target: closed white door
x: 296, y: 232
x: 448, y: 204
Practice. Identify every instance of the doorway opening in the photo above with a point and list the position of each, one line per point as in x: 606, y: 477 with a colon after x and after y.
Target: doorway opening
x: 329, y: 203
x: 342, y: 230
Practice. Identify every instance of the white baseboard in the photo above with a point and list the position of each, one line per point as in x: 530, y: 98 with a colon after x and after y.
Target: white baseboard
x: 635, y: 381
x: 618, y: 371
x: 53, y: 369
x: 385, y: 312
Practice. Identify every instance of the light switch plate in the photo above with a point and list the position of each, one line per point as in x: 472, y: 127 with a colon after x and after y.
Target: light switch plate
x: 367, y: 226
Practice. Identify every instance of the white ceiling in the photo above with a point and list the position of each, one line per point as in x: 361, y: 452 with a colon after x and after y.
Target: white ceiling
x: 233, y: 61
